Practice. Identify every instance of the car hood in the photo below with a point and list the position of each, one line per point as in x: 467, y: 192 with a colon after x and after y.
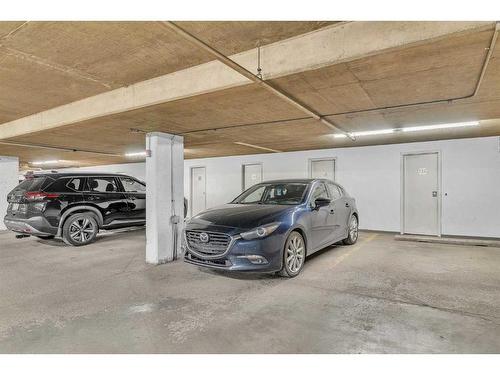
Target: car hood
x: 244, y: 216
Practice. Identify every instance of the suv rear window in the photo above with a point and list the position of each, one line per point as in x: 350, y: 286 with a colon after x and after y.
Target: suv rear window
x: 34, y: 184
x: 75, y: 184
x: 66, y: 184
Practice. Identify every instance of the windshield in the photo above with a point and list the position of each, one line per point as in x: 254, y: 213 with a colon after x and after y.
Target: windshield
x: 279, y: 193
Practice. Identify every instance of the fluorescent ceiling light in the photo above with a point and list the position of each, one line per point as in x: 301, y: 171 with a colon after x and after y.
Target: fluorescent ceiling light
x: 136, y: 154
x: 370, y: 132
x: 45, y: 162
x: 411, y: 129
x: 439, y: 126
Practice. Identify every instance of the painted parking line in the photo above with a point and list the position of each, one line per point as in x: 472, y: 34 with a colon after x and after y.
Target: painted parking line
x: 353, y: 249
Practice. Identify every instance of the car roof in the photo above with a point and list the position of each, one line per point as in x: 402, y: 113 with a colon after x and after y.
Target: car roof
x: 296, y: 180
x: 71, y: 174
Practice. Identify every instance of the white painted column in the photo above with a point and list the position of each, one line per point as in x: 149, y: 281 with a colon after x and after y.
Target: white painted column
x: 164, y: 197
x: 9, y: 179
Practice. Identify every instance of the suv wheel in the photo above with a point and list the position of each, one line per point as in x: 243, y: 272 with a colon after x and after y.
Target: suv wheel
x: 294, y: 255
x: 80, y: 229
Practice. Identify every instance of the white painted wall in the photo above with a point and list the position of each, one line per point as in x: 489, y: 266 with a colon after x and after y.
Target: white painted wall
x: 372, y: 174
x: 9, y: 171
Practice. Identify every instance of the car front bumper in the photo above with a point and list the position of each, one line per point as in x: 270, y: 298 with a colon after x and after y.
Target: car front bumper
x: 242, y: 255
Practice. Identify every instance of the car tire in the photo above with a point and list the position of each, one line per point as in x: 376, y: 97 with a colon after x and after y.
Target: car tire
x: 80, y: 229
x: 47, y: 237
x: 294, y: 255
x: 352, y: 231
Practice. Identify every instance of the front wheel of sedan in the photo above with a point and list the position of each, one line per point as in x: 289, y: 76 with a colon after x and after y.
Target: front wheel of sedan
x: 294, y: 255
x: 352, y: 234
x: 80, y: 229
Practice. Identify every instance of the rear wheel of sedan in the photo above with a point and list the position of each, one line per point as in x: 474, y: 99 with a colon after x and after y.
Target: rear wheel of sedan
x: 352, y: 234
x: 294, y: 255
x: 80, y: 229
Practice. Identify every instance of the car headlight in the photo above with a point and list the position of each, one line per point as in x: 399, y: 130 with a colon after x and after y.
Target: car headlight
x: 260, y: 232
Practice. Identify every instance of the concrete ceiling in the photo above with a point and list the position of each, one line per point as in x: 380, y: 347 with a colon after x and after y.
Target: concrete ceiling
x: 47, y: 64
x: 102, y: 56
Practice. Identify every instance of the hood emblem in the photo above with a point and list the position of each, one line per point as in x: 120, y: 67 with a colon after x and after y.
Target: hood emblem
x: 204, y: 237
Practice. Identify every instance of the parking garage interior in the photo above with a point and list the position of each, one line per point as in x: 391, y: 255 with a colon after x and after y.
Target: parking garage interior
x: 404, y: 115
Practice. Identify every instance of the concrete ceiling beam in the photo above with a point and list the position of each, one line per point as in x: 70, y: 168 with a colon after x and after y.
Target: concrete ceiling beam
x: 327, y: 46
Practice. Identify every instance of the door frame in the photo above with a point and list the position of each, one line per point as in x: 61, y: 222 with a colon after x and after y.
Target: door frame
x: 311, y: 160
x: 402, y: 188
x: 191, y: 187
x: 243, y: 173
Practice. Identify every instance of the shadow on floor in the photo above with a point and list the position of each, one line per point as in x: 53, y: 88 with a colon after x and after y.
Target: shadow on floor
x: 264, y: 276
x: 102, y: 237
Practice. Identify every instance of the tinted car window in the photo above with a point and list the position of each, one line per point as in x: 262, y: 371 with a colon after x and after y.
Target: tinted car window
x: 34, y: 183
x: 335, y: 192
x: 102, y: 184
x: 76, y: 184
x: 132, y: 186
x: 319, y: 192
x: 59, y: 186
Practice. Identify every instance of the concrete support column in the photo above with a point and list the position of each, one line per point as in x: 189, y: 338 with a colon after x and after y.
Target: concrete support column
x: 9, y: 179
x: 164, y: 197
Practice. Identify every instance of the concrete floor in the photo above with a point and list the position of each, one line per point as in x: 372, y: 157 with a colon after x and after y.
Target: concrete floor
x: 378, y: 296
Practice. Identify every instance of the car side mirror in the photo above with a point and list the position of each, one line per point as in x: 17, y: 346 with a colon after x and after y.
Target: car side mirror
x: 321, y: 202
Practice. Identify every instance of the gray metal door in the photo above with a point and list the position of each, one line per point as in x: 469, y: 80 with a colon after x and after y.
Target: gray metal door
x: 198, y: 190
x: 252, y: 174
x: 322, y: 168
x: 421, y: 194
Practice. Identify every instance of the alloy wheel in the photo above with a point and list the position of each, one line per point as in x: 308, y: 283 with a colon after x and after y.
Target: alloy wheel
x: 295, y: 253
x: 353, y: 229
x: 82, y: 230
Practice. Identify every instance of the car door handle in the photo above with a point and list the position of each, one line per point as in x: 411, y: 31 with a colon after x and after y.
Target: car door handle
x: 332, y: 212
x: 347, y: 204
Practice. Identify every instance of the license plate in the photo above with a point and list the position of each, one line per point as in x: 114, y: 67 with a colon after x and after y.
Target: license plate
x: 15, y: 206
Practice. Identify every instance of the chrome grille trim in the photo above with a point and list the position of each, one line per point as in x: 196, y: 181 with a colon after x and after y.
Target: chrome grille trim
x: 218, y: 245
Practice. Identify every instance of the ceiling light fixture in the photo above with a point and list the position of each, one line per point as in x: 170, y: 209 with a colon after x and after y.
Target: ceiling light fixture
x: 439, y: 126
x: 136, y: 154
x: 45, y: 162
x: 411, y: 129
x: 369, y: 132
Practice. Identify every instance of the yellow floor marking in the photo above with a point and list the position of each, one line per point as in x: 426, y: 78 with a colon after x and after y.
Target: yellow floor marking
x: 341, y: 258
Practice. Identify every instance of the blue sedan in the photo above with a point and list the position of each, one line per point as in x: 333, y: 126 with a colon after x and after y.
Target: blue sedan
x: 272, y: 227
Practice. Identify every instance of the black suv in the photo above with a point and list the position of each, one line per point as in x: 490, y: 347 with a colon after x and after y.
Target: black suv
x: 75, y: 206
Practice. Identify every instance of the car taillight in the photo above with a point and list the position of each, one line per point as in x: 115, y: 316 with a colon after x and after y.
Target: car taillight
x: 39, y: 195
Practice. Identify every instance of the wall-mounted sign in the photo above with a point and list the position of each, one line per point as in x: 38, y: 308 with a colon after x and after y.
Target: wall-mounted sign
x: 422, y: 171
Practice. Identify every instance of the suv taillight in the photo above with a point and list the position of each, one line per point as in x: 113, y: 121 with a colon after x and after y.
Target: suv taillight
x: 39, y: 195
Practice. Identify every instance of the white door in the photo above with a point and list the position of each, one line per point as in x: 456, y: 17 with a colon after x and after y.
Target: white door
x: 322, y: 168
x: 198, y: 190
x: 421, y: 194
x: 252, y: 174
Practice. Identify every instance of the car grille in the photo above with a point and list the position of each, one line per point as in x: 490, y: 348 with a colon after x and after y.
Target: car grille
x: 209, y: 262
x: 217, y: 243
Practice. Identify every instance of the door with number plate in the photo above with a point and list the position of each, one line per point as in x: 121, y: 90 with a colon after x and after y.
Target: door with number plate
x: 421, y: 194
